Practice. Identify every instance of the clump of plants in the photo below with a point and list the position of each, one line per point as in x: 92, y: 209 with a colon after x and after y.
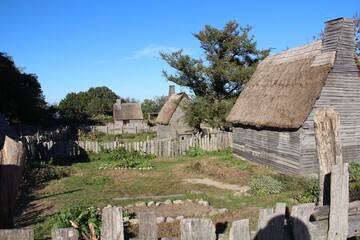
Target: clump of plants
x: 311, y: 192
x: 86, y: 220
x: 120, y: 158
x: 265, y: 185
x: 196, y: 151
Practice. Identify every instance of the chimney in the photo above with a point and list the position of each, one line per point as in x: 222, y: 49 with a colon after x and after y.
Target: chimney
x: 118, y: 103
x: 339, y: 35
x: 171, y: 90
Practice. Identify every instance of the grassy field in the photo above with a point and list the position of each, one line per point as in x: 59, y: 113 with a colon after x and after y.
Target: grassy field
x: 51, y: 188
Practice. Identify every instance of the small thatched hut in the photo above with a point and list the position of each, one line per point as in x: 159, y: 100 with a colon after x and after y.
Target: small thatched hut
x: 273, y: 117
x: 170, y: 121
x: 127, y: 114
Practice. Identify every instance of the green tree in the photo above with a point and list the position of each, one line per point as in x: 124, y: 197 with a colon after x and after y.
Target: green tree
x: 21, y: 96
x: 80, y: 106
x: 230, y: 58
x: 153, y: 105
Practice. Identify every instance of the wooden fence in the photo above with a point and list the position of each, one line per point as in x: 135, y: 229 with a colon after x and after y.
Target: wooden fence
x: 167, y: 147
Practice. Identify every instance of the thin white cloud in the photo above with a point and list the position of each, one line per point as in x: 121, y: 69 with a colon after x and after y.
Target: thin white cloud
x: 150, y: 51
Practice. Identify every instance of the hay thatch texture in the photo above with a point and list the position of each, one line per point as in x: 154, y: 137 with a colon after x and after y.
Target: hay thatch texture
x: 284, y: 88
x: 127, y: 111
x: 169, y: 108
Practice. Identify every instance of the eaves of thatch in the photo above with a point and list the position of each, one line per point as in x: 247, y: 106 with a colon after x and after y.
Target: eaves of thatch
x: 284, y: 88
x: 169, y: 108
x: 127, y: 111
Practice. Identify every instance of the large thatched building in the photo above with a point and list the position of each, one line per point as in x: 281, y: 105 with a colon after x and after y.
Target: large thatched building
x: 127, y: 114
x: 170, y: 121
x: 273, y: 117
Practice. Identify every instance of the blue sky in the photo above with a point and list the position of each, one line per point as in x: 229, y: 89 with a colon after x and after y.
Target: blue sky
x: 73, y: 45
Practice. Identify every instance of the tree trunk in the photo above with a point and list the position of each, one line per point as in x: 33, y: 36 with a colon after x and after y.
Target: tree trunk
x: 12, y: 161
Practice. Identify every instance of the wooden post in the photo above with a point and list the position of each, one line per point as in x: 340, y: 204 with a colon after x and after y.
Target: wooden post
x: 112, y: 224
x: 197, y: 229
x: 270, y: 224
x: 327, y: 124
x: 147, y: 226
x: 64, y: 234
x: 12, y: 162
x: 303, y: 229
x: 20, y: 233
x: 240, y: 230
x: 339, y: 207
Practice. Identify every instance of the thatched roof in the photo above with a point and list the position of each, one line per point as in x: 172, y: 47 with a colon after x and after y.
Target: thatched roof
x: 169, y: 108
x: 127, y: 111
x: 284, y: 88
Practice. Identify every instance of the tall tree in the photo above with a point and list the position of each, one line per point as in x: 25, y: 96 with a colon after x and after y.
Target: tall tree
x: 21, y: 96
x: 230, y: 58
x: 80, y: 106
x: 153, y: 105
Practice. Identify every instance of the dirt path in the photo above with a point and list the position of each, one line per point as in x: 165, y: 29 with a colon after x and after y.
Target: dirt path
x: 217, y: 184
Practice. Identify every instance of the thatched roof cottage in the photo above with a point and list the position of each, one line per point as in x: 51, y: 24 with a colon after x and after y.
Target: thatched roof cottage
x: 273, y: 117
x: 170, y: 121
x: 127, y: 114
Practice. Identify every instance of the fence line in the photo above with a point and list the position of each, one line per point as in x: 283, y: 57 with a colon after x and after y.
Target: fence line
x: 158, y: 147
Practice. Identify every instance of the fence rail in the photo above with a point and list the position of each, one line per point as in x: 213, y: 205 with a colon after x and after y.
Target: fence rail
x: 167, y: 147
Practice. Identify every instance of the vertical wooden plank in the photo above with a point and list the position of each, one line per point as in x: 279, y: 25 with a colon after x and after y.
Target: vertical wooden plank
x: 263, y: 221
x: 240, y: 230
x: 197, y: 229
x: 20, y: 233
x: 112, y: 224
x: 328, y: 146
x: 147, y: 226
x: 339, y: 207
x: 64, y: 234
x: 303, y: 229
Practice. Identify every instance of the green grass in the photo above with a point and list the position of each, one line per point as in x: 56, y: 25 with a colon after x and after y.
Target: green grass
x: 86, y: 185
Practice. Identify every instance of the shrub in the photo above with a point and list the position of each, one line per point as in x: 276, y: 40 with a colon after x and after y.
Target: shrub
x: 311, y: 193
x: 82, y: 217
x: 354, y: 171
x: 265, y: 185
x: 195, y: 152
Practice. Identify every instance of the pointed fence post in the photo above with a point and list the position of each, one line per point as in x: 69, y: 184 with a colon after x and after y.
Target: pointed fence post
x: 112, y: 224
x: 327, y: 124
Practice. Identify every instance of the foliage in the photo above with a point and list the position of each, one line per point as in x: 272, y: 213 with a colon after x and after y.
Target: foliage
x: 196, y: 152
x: 311, y: 193
x: 230, y: 59
x: 21, y: 96
x: 124, y: 159
x: 354, y: 171
x: 153, y: 105
x: 83, y: 105
x: 265, y: 185
x: 82, y: 217
x: 141, y: 136
x: 357, y: 33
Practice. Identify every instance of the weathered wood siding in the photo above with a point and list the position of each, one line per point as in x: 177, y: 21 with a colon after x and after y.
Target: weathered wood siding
x: 176, y: 122
x: 296, y: 151
x: 277, y: 149
x: 341, y: 92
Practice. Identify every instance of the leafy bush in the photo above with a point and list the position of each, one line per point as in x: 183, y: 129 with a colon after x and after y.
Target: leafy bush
x: 195, y: 152
x: 82, y: 217
x: 265, y: 185
x: 354, y: 171
x: 311, y: 193
x: 121, y: 158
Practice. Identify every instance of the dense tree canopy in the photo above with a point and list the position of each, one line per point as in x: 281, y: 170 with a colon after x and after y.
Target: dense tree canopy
x: 153, y: 105
x: 230, y: 58
x: 21, y: 96
x: 80, y: 106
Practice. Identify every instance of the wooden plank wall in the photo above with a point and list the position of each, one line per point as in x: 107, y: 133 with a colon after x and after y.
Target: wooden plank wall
x: 277, y: 149
x: 341, y: 92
